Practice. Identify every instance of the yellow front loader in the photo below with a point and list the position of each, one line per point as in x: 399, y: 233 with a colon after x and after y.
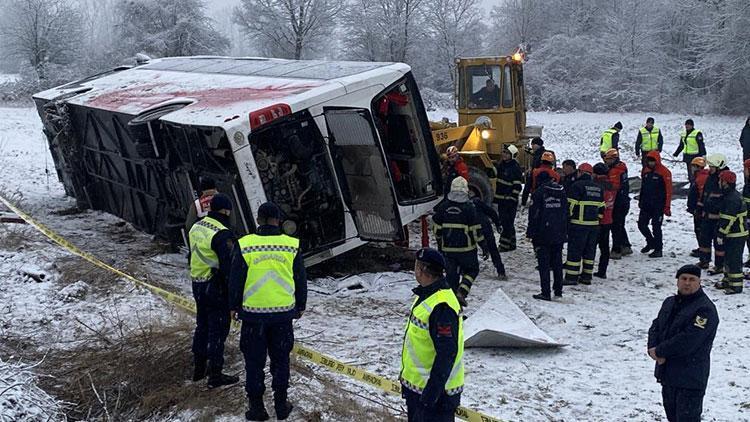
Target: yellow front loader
x: 491, y: 105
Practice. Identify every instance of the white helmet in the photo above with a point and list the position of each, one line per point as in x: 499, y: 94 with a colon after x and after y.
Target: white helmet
x: 512, y: 150
x: 716, y: 160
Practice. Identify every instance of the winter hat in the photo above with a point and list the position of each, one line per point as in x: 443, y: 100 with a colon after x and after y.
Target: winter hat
x: 537, y: 141
x: 689, y: 269
x: 618, y: 125
x: 728, y: 176
x: 585, y: 168
x: 689, y: 122
x: 431, y: 256
x: 601, y: 169
x: 221, y: 202
x: 459, y: 190
x: 207, y: 183
x: 269, y: 210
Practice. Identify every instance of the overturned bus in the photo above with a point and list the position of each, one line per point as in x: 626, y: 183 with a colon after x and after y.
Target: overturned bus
x: 344, y: 148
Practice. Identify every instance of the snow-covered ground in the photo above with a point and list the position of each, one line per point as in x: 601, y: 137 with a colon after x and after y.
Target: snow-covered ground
x: 9, y: 78
x: 603, y: 374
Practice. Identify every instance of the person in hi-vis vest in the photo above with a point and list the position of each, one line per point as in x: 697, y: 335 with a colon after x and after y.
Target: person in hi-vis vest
x: 691, y: 145
x: 610, y: 139
x: 649, y: 139
x: 432, y: 367
x: 267, y: 290
x: 211, y: 245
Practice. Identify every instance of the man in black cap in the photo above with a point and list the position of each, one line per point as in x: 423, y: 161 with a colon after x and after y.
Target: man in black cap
x: 211, y: 244
x: 267, y: 289
x: 537, y: 149
x: 432, y: 372
x: 680, y: 341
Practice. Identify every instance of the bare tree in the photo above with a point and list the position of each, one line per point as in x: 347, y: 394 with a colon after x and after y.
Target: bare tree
x: 43, y: 33
x: 452, y: 24
x: 168, y: 28
x: 287, y: 28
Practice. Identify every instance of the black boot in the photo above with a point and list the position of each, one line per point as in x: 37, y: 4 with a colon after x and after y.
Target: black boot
x: 281, y: 405
x: 199, y: 370
x: 696, y: 253
x: 542, y: 297
x: 257, y: 411
x: 217, y: 379
x: 655, y: 254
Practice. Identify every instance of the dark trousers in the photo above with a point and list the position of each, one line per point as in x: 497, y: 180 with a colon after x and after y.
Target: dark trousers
x: 549, y: 258
x: 734, y: 246
x: 258, y: 340
x: 653, y: 239
x: 211, y: 327
x: 461, y: 269
x: 444, y: 411
x: 707, y: 239
x: 687, y: 158
x: 582, y: 242
x: 619, y: 233
x: 603, y: 241
x: 682, y: 404
x: 697, y: 227
x: 507, y: 211
x: 489, y: 246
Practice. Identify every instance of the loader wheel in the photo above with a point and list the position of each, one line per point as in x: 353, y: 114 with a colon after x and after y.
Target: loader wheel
x: 479, y: 182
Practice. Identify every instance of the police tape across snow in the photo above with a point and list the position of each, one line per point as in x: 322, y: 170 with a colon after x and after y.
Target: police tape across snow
x: 187, y: 304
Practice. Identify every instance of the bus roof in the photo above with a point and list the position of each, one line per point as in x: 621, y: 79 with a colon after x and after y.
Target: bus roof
x: 219, y: 88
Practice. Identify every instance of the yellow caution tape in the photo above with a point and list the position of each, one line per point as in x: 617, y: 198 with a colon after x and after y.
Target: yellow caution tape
x: 187, y: 304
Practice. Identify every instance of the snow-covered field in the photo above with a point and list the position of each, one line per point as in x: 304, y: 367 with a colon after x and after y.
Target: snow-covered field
x: 603, y: 374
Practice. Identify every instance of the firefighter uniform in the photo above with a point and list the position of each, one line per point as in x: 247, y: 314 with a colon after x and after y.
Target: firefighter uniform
x: 458, y: 231
x: 732, y: 233
x: 547, y: 229
x: 586, y: 208
x: 432, y: 368
x: 695, y: 203
x: 711, y: 200
x: 211, y: 243
x: 507, y: 189
x: 683, y: 334
x: 487, y: 216
x: 268, y: 289
x: 746, y: 200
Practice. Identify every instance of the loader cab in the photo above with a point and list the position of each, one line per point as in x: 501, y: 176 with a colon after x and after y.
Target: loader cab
x: 493, y: 87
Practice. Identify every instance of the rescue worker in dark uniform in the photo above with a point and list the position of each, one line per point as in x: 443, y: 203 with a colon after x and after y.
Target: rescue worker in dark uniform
x: 569, y: 174
x: 507, y: 188
x: 695, y: 197
x: 586, y: 208
x: 487, y: 216
x: 732, y: 233
x: 268, y: 289
x: 746, y: 199
x: 547, y: 229
x: 457, y: 232
x: 211, y: 244
x: 618, y: 176
x: 649, y: 139
x: 691, y: 145
x: 537, y: 149
x: 610, y: 139
x: 655, y: 202
x: 605, y: 223
x: 432, y: 371
x: 711, y: 200
x: 680, y: 341
x: 547, y: 166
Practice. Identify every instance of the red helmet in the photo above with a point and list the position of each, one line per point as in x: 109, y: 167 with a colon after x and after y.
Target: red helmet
x: 728, y: 176
x: 586, y: 168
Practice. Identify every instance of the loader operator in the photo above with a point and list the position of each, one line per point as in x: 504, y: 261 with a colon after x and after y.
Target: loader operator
x: 487, y: 97
x: 432, y: 371
x: 457, y: 232
x: 211, y: 244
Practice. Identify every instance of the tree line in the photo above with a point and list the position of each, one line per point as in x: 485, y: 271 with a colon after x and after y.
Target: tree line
x: 651, y: 55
